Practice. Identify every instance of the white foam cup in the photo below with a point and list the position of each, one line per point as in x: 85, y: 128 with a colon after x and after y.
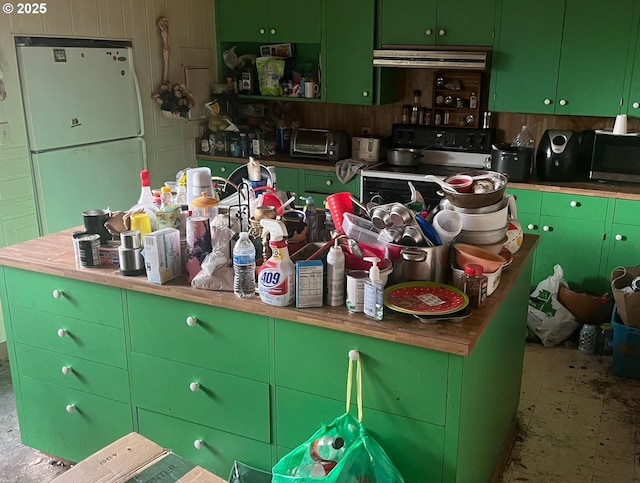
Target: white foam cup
x: 620, y: 126
x: 448, y: 224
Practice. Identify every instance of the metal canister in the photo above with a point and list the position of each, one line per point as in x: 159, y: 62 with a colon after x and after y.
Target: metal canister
x: 89, y: 249
x: 355, y: 290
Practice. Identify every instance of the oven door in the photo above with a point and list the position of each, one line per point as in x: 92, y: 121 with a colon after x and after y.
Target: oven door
x: 384, y: 190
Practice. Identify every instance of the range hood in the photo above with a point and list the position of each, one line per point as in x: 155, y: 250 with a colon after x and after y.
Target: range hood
x: 416, y: 58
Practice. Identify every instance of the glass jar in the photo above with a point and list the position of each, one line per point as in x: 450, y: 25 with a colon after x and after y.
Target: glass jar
x: 587, y: 340
x: 475, y: 284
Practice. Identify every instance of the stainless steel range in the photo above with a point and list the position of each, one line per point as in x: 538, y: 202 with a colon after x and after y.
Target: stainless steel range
x: 446, y: 151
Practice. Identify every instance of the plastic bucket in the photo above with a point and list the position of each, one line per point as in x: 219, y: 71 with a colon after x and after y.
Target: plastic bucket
x: 339, y: 204
x: 626, y: 348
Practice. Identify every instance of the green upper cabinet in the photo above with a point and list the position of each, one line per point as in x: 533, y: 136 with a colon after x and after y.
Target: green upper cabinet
x: 349, y: 75
x: 632, y: 97
x: 596, y: 34
x: 524, y: 78
x: 433, y: 22
x: 269, y: 21
x: 549, y: 55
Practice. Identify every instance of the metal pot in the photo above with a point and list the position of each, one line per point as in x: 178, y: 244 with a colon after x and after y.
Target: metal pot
x: 404, y: 156
x: 419, y: 263
x: 478, y: 200
x: 514, y: 162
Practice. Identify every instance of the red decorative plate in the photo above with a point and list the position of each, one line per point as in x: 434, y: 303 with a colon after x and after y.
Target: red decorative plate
x: 425, y: 298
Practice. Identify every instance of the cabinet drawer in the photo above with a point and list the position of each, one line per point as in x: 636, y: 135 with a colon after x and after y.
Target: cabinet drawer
x: 80, y: 300
x: 328, y: 183
x: 299, y: 415
x: 527, y: 201
x: 230, y: 403
x: 159, y: 327
x: 627, y: 212
x: 73, y: 337
x: 401, y: 379
x: 47, y: 424
x: 571, y: 206
x: 73, y: 372
x: 219, y: 168
x: 218, y: 449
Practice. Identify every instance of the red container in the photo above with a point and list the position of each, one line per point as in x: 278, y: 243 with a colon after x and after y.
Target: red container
x: 339, y: 204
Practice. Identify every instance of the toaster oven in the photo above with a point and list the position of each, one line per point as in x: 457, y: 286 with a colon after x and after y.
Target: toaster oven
x: 327, y: 144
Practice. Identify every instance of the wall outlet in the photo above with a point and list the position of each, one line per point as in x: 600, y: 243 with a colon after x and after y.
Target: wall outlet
x: 366, y: 130
x: 5, y: 135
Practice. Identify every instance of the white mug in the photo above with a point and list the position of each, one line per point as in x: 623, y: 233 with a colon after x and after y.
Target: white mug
x: 311, y: 89
x: 620, y: 126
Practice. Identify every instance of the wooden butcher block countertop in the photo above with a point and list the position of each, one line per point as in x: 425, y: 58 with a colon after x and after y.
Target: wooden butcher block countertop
x: 53, y: 254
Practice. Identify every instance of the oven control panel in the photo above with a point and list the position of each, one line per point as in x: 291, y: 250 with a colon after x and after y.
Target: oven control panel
x: 441, y: 138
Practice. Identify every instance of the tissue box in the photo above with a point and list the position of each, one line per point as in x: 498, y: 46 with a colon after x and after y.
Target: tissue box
x: 168, y: 217
x: 162, y: 257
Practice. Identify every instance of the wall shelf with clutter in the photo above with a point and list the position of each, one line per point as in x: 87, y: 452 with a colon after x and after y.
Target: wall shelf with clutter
x: 456, y: 98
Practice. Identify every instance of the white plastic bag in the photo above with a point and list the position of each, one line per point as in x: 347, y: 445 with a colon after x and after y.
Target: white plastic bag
x: 547, y: 317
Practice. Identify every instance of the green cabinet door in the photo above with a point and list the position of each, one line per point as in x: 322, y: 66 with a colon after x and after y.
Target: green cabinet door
x: 246, y: 21
x: 632, y: 98
x: 291, y: 21
x: 433, y: 22
x: 408, y: 22
x: 466, y: 22
x: 349, y: 72
x: 525, y: 65
x: 623, y: 237
x: 595, y: 45
x: 287, y: 180
x: 272, y: 21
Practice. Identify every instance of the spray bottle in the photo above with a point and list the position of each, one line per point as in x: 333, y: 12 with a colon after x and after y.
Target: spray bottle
x: 277, y: 276
x: 374, y: 292
x: 145, y: 201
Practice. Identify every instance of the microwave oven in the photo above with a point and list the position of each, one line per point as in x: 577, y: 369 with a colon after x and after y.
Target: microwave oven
x: 615, y: 157
x: 324, y: 144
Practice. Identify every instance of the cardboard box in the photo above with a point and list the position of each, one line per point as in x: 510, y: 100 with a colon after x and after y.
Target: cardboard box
x: 586, y: 308
x: 134, y: 456
x: 162, y: 256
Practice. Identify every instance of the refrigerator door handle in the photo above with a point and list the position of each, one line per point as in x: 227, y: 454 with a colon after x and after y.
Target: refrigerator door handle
x: 134, y: 75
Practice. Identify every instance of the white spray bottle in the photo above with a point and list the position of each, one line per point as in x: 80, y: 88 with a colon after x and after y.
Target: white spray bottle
x: 277, y: 276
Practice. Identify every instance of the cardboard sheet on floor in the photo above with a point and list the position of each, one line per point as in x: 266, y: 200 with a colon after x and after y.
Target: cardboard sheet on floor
x: 134, y: 458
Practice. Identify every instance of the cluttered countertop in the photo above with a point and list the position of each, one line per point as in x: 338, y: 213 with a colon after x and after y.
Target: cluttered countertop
x: 54, y: 255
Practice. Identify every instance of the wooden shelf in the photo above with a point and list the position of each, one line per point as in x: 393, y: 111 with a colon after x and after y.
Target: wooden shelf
x: 451, y: 105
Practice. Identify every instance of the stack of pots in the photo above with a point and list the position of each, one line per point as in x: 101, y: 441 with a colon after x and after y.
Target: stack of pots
x: 485, y: 209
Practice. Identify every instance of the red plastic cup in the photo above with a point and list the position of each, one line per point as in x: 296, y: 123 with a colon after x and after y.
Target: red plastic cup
x: 339, y: 204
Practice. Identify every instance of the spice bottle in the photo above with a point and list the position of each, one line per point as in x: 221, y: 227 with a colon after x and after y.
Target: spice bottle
x: 406, y: 109
x: 415, y: 109
x: 475, y: 284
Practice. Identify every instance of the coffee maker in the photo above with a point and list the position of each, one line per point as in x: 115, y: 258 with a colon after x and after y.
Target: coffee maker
x: 558, y: 155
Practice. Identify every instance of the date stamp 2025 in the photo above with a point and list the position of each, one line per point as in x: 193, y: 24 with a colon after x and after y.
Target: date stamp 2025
x: 25, y: 8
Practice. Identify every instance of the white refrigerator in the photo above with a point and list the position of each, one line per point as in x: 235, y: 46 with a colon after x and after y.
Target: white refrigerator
x: 84, y: 123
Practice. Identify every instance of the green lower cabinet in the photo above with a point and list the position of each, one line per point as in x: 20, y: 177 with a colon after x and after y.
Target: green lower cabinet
x: 212, y: 449
x: 67, y: 423
x: 623, y: 237
x: 390, y: 387
x: 320, y: 184
x: 415, y: 447
x: 287, y: 180
x: 229, y: 403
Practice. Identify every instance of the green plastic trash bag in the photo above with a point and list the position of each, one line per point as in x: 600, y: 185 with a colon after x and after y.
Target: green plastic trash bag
x: 241, y: 473
x: 339, y: 452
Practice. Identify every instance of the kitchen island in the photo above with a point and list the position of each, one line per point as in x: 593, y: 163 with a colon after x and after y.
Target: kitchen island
x: 95, y: 355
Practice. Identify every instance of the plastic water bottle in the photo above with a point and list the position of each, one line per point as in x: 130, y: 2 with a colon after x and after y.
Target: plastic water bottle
x: 244, y: 267
x: 327, y: 448
x: 523, y: 139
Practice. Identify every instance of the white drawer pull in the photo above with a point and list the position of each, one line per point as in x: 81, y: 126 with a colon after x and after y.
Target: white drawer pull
x: 441, y: 32
x: 57, y: 294
x: 547, y: 102
x: 619, y: 237
x: 531, y: 226
x: 70, y: 408
x: 354, y: 355
x: 636, y: 105
x: 428, y: 31
x: 261, y: 31
x: 222, y: 169
x: 66, y: 370
x: 194, y: 386
x: 365, y: 93
x: 328, y: 182
x: 191, y: 321
x: 62, y: 332
x: 273, y: 31
x: 574, y: 204
x: 546, y: 228
x: 198, y: 444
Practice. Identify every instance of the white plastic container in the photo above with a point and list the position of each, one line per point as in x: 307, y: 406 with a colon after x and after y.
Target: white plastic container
x: 198, y: 182
x: 360, y: 230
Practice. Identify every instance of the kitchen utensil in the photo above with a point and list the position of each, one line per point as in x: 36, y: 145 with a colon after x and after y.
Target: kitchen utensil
x: 477, y: 200
x: 412, y: 236
x: 425, y: 298
x: 400, y: 215
x: 466, y: 253
x: 514, y: 162
x: 481, y: 237
x: 419, y: 263
x: 458, y: 316
x: 380, y: 217
x: 428, y: 231
x: 404, y: 156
